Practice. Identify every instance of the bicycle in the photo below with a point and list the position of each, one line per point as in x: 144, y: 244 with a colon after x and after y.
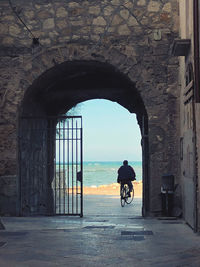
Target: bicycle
x: 124, y: 196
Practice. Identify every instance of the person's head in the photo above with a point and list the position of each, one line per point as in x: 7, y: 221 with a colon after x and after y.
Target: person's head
x: 125, y: 162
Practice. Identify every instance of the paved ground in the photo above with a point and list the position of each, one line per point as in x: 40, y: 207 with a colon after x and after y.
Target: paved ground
x: 107, y: 235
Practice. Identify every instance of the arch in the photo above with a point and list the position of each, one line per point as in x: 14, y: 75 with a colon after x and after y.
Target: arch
x: 49, y: 62
x: 80, y: 81
x: 63, y: 86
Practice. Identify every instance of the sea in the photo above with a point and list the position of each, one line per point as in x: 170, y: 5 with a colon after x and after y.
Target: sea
x: 97, y: 173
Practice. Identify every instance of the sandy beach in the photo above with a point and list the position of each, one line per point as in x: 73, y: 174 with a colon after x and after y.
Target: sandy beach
x: 112, y: 189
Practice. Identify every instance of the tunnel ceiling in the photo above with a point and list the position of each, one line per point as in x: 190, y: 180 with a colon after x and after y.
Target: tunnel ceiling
x: 70, y: 83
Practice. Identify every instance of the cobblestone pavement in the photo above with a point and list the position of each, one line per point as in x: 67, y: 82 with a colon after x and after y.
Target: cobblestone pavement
x: 107, y: 235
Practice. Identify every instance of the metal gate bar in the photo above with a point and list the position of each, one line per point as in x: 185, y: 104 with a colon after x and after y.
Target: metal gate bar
x: 68, y: 164
x: 72, y: 159
x: 64, y: 175
x: 76, y: 166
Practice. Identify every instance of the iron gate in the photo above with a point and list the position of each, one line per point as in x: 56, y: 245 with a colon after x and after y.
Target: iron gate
x: 68, y: 166
x: 50, y: 166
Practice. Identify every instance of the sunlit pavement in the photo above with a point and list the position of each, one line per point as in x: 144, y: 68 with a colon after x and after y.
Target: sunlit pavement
x: 107, y: 235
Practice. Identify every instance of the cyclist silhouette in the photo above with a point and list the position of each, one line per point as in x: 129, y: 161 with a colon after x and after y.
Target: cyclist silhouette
x: 126, y: 174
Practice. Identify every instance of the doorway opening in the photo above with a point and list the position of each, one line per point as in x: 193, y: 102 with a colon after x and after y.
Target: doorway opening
x: 110, y: 135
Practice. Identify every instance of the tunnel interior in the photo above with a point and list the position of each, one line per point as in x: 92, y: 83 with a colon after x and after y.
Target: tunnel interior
x: 54, y: 93
x: 67, y: 84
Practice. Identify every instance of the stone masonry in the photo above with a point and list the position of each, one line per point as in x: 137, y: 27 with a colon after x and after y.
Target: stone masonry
x: 134, y: 37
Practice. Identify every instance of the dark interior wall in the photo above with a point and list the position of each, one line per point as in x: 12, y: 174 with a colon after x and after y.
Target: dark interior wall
x: 69, y: 83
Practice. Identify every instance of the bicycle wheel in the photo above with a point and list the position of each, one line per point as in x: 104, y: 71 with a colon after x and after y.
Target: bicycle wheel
x: 129, y: 199
x: 122, y: 195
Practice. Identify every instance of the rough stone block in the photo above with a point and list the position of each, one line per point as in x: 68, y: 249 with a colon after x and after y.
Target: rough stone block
x: 29, y: 14
x: 8, y: 41
x: 153, y: 6
x: 61, y: 24
x: 123, y: 30
x: 48, y: 24
x: 167, y: 8
x: 44, y: 14
x: 14, y: 30
x: 117, y: 20
x: 61, y: 12
x: 3, y: 28
x: 99, y: 21
x: 141, y: 2
x: 94, y: 10
x: 108, y: 10
x: 124, y: 14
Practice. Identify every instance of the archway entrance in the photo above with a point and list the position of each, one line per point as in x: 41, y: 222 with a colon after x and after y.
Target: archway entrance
x: 59, y: 89
x: 110, y: 135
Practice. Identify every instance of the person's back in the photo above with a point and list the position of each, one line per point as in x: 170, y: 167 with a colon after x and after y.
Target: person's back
x: 126, y: 174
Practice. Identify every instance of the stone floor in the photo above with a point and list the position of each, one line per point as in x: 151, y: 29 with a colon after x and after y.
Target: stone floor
x: 107, y: 235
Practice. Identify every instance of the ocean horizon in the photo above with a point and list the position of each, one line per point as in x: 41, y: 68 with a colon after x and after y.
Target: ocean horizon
x: 96, y: 173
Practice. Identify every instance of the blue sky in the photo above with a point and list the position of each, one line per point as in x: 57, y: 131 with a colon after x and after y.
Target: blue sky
x: 110, y: 132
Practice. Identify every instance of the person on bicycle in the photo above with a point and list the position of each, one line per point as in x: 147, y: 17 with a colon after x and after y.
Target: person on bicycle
x: 126, y: 174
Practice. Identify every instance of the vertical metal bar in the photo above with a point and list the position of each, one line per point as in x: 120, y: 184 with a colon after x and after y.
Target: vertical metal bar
x: 64, y: 166
x: 24, y: 167
x: 81, y: 155
x: 47, y: 168
x: 68, y: 164
x: 35, y: 188
x: 45, y: 181
x: 39, y: 160
x: 55, y: 169
x: 144, y: 202
x: 72, y: 166
x: 19, y: 181
x: 33, y: 168
x: 53, y: 141
x: 59, y: 170
x: 76, y: 167
x: 36, y: 183
x: 30, y: 181
x: 49, y: 146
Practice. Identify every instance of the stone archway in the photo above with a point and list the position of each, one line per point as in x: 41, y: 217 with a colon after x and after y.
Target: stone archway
x: 139, y: 85
x: 133, y: 38
x: 59, y: 89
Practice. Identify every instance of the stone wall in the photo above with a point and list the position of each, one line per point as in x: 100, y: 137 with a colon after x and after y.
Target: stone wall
x: 66, y: 21
x: 134, y: 37
x: 189, y: 126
